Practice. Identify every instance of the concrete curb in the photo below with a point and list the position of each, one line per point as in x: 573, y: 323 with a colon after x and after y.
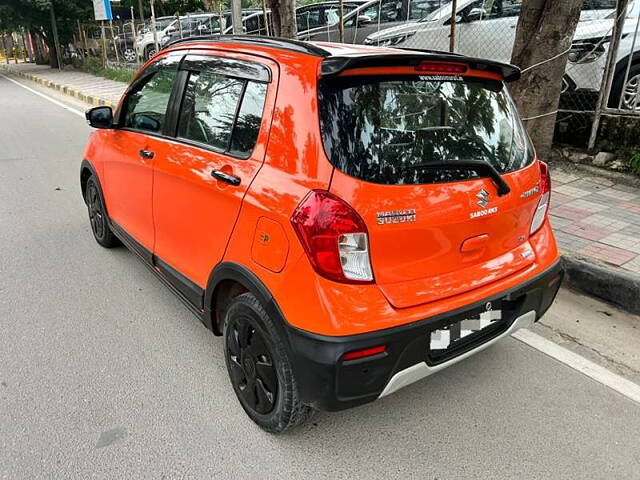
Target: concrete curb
x: 72, y: 92
x: 617, y: 287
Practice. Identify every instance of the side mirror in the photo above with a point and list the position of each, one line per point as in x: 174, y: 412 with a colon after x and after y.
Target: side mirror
x: 100, y: 117
x: 364, y: 20
x: 476, y: 14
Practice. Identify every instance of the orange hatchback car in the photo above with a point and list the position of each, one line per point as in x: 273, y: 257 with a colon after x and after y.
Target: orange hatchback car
x: 350, y: 219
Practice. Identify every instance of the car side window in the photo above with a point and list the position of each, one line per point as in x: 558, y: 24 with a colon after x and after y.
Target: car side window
x: 146, y: 105
x: 222, y: 112
x: 247, y: 126
x: 308, y: 19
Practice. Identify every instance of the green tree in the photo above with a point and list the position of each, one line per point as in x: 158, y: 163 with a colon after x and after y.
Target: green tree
x: 35, y: 17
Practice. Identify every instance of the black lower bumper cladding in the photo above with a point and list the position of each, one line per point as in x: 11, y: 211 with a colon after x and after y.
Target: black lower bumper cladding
x: 328, y: 383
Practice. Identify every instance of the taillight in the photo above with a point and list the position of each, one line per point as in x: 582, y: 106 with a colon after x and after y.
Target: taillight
x: 545, y: 200
x: 334, y: 238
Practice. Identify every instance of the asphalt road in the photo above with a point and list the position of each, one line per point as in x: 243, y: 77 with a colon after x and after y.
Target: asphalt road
x: 104, y: 374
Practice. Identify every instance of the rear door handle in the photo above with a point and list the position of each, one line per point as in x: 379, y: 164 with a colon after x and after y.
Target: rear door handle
x: 226, y: 177
x: 146, y: 154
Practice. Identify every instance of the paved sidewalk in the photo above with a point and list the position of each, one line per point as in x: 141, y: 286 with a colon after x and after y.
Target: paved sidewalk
x: 87, y: 87
x: 595, y: 217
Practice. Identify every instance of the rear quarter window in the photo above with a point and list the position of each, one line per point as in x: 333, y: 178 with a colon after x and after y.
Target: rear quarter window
x: 389, y: 130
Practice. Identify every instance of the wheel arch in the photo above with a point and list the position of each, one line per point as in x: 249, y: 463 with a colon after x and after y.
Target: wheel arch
x: 229, y: 279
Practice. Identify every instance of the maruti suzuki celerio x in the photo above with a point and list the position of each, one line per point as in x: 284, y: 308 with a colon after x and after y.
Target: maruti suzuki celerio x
x: 350, y: 219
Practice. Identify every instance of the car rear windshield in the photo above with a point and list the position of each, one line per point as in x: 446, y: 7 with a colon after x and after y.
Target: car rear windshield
x: 391, y: 130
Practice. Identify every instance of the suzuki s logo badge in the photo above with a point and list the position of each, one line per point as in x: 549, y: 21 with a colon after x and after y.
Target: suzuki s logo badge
x: 483, y: 198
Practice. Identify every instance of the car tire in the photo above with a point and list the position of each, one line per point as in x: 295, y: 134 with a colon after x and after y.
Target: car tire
x: 618, y: 87
x: 149, y: 52
x: 97, y: 215
x: 259, y: 367
x: 129, y: 55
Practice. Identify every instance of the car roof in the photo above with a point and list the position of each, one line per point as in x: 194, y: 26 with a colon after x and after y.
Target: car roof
x: 336, y: 57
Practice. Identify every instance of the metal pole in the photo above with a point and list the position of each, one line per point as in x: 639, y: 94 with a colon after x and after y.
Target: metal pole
x: 628, y: 69
x: 141, y: 11
x: 113, y: 39
x: 104, y: 44
x: 56, y: 40
x: 236, y: 17
x: 342, y: 21
x: 452, y: 35
x: 153, y: 27
x: 605, y: 91
x: 266, y: 18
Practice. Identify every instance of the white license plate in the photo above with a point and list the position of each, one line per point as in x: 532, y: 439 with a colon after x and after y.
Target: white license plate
x: 443, y: 338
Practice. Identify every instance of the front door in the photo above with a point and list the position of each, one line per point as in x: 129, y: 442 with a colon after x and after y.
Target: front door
x: 130, y: 153
x: 200, y: 178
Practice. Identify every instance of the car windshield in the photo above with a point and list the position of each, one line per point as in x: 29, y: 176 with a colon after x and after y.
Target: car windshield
x: 390, y: 129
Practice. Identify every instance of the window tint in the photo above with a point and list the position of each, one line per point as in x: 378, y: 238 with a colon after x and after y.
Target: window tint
x: 247, y: 125
x: 222, y: 112
x: 209, y: 109
x: 146, y: 107
x: 308, y: 19
x: 599, y: 4
x: 391, y: 12
x: 419, y: 9
x: 390, y: 130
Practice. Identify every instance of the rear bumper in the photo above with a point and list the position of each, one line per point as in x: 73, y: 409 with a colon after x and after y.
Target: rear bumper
x: 328, y: 383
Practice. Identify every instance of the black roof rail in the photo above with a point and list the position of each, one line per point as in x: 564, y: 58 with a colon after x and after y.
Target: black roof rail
x: 275, y: 42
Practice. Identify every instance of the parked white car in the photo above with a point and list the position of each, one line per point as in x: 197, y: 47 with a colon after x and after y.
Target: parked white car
x: 587, y: 61
x: 145, y: 43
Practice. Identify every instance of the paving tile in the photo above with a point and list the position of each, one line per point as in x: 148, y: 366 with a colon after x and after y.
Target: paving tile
x: 572, y: 191
x: 606, y: 221
x: 630, y: 207
x: 587, y: 231
x: 604, y: 182
x: 603, y: 200
x: 607, y: 254
x: 627, y: 188
x: 631, y: 229
x: 560, y: 198
x: 559, y: 222
x: 571, y: 243
x: 571, y: 213
x: 558, y: 176
x: 589, y: 186
x: 582, y: 204
x: 621, y: 240
x: 618, y: 194
x: 633, y: 265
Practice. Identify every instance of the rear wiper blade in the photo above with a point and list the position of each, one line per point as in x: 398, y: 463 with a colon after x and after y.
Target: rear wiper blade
x: 481, y: 167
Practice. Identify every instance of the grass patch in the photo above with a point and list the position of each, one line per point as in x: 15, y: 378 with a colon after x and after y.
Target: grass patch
x: 94, y: 67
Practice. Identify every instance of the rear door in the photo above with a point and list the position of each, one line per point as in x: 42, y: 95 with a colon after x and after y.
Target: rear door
x: 434, y: 231
x: 201, y: 178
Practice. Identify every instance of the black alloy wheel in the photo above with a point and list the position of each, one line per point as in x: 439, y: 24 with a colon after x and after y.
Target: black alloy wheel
x: 251, y: 366
x: 96, y: 212
x: 98, y: 215
x: 258, y: 362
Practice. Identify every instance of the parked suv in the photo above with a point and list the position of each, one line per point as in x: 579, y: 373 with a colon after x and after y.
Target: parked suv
x: 384, y: 219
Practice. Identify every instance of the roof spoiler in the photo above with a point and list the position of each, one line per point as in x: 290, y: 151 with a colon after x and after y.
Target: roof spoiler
x: 335, y: 65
